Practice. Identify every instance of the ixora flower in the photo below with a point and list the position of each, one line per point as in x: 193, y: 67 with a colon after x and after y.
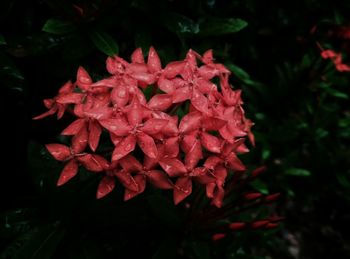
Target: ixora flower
x: 189, y: 130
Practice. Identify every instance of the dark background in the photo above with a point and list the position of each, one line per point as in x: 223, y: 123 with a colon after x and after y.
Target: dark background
x: 298, y: 101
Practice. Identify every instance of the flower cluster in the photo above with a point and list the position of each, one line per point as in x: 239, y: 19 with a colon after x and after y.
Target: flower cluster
x: 336, y: 59
x: 168, y: 127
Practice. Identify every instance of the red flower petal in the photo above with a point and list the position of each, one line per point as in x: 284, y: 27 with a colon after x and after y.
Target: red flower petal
x: 150, y: 163
x: 69, y: 171
x: 93, y: 163
x: 106, y: 185
x: 99, y: 113
x: 153, y: 62
x: 147, y: 145
x: 70, y: 98
x: 136, y: 68
x: 166, y: 85
x: 101, y: 84
x: 182, y: 189
x: 80, y: 140
x: 172, y: 166
x: 141, y: 183
x: 234, y: 162
x: 160, y: 102
x: 124, y: 147
x: 212, y: 162
x: 95, y: 131
x: 45, y: 114
x: 120, y: 96
x: 201, y: 175
x: 127, y: 181
x: 153, y: 126
x: 212, y: 123
x: 58, y: 151
x: 66, y: 88
x: 193, y: 149
x: 181, y: 94
x: 210, y: 142
x: 205, y: 86
x: 207, y: 72
x: 190, y: 122
x: 112, y: 65
x: 83, y: 79
x: 170, y: 129
x: 134, y: 112
x: 145, y: 78
x: 199, y: 101
x: 226, y: 133
x: 137, y: 56
x: 218, y: 197
x: 210, y: 187
x: 130, y: 164
x: 173, y: 69
x: 159, y: 180
x: 171, y: 147
x: 207, y: 57
x: 220, y: 173
x: 117, y: 126
x: 74, y: 127
x: 115, y: 139
x: 61, y: 108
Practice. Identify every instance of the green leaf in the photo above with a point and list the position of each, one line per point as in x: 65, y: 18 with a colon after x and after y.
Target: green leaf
x: 104, y: 42
x: 58, y: 27
x: 343, y: 180
x: 218, y: 26
x: 260, y: 186
x: 298, y: 172
x: 38, y: 243
x: 179, y: 24
x: 265, y: 153
x: 2, y: 40
x: 337, y: 93
x: 241, y: 74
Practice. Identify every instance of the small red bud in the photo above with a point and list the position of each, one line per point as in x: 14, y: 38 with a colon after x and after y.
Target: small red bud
x: 252, y: 196
x: 256, y: 172
x: 237, y: 225
x: 259, y: 224
x: 272, y: 197
x: 218, y: 236
x: 274, y: 219
x: 271, y: 225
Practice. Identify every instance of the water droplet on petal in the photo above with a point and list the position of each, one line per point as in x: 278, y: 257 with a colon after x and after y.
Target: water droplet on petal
x: 122, y: 93
x: 157, y: 127
x: 85, y: 79
x: 127, y: 147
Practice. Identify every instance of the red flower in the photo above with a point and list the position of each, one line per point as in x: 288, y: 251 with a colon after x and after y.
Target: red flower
x: 190, y: 128
x: 73, y: 156
x: 58, y: 104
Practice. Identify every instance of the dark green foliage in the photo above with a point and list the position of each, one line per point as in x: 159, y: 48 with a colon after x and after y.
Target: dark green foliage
x: 298, y: 101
